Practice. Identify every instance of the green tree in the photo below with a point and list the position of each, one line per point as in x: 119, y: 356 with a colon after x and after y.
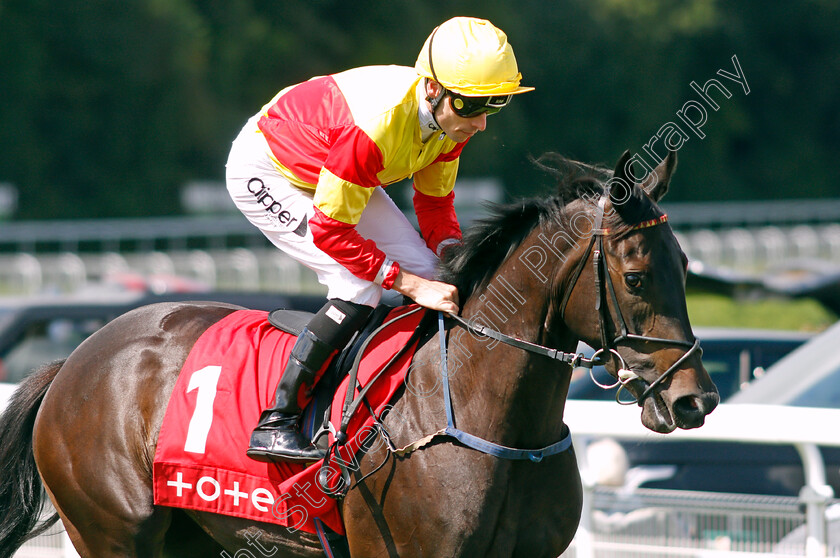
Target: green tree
x: 108, y: 107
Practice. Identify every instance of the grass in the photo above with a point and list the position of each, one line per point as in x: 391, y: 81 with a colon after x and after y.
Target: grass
x: 711, y: 310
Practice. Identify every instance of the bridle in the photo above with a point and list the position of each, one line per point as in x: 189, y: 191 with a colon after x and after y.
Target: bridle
x: 602, y: 278
x: 602, y: 355
x: 625, y: 375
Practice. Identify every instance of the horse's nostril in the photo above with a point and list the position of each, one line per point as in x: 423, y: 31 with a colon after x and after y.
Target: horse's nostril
x: 689, y: 411
x: 688, y: 404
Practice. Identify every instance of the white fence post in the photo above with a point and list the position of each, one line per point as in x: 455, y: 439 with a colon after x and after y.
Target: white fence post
x: 815, y: 495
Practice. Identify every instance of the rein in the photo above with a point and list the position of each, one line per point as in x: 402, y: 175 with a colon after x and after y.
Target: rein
x: 573, y: 359
x: 602, y: 277
x: 625, y: 375
x: 601, y: 356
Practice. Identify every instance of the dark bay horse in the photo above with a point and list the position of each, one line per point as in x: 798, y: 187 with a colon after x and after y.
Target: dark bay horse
x: 598, y: 263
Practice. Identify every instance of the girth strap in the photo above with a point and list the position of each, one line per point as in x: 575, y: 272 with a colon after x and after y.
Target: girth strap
x: 351, y: 403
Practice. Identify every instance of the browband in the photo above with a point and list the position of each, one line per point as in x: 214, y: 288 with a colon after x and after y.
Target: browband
x: 643, y: 225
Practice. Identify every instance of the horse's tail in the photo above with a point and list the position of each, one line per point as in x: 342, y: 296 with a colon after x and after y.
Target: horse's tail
x: 22, y: 496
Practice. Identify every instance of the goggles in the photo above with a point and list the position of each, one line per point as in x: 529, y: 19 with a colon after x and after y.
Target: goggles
x: 467, y: 107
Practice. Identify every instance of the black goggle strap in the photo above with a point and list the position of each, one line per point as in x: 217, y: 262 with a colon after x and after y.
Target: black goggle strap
x: 434, y: 101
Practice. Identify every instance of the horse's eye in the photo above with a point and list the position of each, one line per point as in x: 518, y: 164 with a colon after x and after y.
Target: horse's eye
x: 633, y: 280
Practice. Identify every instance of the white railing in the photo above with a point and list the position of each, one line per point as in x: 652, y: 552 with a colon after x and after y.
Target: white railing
x: 746, y: 240
x: 240, y: 269
x: 758, y: 249
x: 54, y: 543
x: 803, y: 428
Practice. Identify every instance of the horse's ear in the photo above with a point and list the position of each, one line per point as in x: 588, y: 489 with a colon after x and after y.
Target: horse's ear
x: 656, y: 183
x: 622, y: 183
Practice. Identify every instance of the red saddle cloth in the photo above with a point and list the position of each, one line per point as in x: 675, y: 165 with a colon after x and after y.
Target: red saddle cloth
x: 226, y: 382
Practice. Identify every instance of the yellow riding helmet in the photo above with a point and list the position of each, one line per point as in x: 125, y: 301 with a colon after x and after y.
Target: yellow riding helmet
x: 470, y: 57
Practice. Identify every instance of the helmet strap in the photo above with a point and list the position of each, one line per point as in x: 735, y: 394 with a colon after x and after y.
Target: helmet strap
x: 428, y: 123
x: 434, y: 101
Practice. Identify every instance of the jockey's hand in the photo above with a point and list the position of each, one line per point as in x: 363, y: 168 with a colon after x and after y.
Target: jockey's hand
x: 429, y: 294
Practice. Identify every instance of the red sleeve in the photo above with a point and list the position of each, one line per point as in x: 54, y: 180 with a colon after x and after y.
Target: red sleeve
x: 437, y: 219
x: 346, y: 246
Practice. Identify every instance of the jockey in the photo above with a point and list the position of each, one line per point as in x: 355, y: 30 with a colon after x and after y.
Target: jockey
x: 309, y: 169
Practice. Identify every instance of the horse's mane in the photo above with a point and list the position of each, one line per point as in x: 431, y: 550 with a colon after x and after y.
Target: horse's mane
x: 490, y: 240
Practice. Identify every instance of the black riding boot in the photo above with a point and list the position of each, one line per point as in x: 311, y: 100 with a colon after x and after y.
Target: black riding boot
x: 277, y: 436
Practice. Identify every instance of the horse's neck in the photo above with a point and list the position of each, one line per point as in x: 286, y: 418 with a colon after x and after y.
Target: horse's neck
x: 505, y: 393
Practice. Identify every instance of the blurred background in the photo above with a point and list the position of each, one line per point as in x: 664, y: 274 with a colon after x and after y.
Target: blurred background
x: 117, y: 117
x: 110, y: 107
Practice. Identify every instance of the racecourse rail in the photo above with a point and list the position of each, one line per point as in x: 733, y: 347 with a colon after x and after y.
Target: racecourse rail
x: 803, y: 428
x: 222, y: 230
x: 225, y: 251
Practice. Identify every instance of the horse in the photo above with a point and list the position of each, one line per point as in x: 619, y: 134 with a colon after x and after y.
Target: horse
x: 596, y: 262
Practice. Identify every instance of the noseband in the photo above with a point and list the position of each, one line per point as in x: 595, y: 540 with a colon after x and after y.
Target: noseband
x: 601, y: 356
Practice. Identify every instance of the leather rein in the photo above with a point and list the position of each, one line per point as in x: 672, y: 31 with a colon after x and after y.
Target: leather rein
x: 608, y: 349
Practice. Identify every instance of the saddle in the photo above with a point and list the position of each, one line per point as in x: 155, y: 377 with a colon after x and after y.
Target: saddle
x: 315, y: 421
x: 225, y: 382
